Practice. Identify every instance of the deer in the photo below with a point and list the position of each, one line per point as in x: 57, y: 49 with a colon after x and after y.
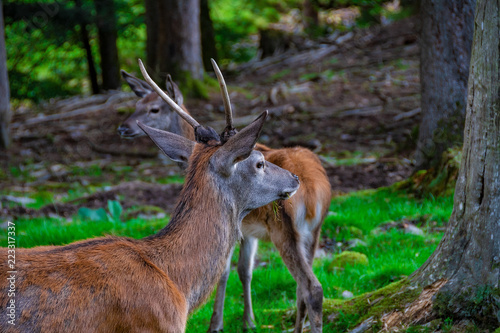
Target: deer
x: 295, y: 234
x: 118, y: 284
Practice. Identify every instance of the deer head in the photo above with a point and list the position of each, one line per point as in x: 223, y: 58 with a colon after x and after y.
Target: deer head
x: 234, y: 164
x: 151, y: 109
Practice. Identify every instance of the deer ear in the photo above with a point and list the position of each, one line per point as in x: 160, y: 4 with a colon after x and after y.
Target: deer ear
x: 239, y: 146
x: 176, y: 147
x: 173, y: 91
x: 139, y: 87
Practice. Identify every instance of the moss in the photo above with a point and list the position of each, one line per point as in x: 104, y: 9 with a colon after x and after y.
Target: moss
x: 394, y: 296
x: 192, y: 87
x: 348, y: 258
x: 478, y: 303
x: 439, y: 181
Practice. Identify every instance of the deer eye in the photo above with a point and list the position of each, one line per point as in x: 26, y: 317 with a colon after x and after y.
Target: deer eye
x: 260, y: 165
x: 155, y: 110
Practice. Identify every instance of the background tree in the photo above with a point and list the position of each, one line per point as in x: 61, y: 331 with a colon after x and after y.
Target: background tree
x: 84, y: 33
x: 107, y: 30
x: 5, y: 113
x: 468, y: 257
x: 152, y: 19
x: 208, y: 44
x: 446, y: 39
x: 179, y: 40
x: 310, y: 14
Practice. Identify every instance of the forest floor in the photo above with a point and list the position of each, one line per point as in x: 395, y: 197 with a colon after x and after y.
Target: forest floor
x: 353, y: 99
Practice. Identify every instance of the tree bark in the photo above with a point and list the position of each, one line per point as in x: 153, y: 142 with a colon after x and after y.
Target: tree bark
x: 208, y: 45
x: 446, y: 38
x: 152, y: 29
x: 179, y: 40
x: 84, y: 33
x: 106, y: 28
x: 5, y: 112
x: 310, y: 15
x: 468, y: 257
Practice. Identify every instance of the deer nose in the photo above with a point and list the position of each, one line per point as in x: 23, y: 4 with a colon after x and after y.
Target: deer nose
x: 296, y: 177
x: 122, y: 129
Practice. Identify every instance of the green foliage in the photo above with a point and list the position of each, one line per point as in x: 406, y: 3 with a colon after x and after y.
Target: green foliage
x: 114, y: 207
x: 391, y: 256
x: 235, y: 22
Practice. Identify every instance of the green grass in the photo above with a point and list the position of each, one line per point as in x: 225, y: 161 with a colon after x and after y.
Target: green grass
x: 392, y: 254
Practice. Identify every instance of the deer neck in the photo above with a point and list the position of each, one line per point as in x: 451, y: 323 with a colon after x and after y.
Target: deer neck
x: 194, y: 247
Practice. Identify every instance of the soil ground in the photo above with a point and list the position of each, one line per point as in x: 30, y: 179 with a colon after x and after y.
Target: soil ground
x: 357, y: 107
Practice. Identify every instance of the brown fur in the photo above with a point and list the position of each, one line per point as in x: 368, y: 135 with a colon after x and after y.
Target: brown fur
x: 113, y: 284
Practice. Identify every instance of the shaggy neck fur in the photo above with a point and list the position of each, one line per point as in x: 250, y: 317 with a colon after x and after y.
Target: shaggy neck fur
x: 205, y: 226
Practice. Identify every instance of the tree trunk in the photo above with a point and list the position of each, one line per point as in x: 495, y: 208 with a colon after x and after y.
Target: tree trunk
x: 179, y: 40
x: 446, y: 38
x: 208, y: 45
x: 152, y: 29
x: 310, y: 15
x: 106, y: 28
x: 84, y: 33
x: 468, y: 257
x: 5, y: 112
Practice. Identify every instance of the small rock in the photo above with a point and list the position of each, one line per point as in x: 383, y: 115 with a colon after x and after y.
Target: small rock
x: 413, y: 230
x: 355, y: 242
x: 320, y: 253
x: 347, y: 294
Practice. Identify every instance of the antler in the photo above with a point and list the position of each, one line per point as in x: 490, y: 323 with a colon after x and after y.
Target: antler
x: 229, y: 130
x: 191, y: 121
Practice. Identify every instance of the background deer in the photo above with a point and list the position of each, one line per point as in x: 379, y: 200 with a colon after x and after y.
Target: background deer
x: 152, y: 110
x: 116, y: 284
x: 295, y: 232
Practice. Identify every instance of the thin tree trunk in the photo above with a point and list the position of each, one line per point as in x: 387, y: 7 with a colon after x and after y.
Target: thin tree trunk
x: 179, y: 40
x: 152, y: 29
x: 208, y: 45
x: 84, y: 33
x: 468, y: 257
x: 108, y: 34
x: 5, y: 112
x: 444, y: 66
x: 90, y: 59
x: 310, y: 15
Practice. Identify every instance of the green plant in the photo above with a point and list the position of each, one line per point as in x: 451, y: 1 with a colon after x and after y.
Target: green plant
x: 114, y: 207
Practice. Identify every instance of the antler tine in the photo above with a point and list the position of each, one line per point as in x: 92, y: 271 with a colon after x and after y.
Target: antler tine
x: 225, y: 96
x: 191, y: 121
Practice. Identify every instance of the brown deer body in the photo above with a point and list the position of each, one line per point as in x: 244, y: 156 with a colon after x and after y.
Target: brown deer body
x: 115, y: 284
x: 294, y: 231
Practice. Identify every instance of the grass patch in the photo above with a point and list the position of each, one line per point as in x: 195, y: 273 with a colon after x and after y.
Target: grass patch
x: 391, y: 256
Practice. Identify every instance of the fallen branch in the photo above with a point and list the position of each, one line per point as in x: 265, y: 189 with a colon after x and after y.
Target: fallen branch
x: 406, y: 115
x: 111, y: 101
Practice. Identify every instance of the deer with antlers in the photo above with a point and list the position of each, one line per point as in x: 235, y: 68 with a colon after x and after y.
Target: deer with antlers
x: 117, y: 284
x: 295, y: 233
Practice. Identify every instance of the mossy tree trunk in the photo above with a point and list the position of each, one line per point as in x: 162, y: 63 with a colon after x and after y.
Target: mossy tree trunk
x: 446, y: 39
x: 108, y: 34
x: 468, y: 257
x: 5, y: 112
x: 179, y: 40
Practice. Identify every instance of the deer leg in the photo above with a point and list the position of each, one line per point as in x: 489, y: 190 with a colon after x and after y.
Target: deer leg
x: 301, y: 311
x: 217, y: 320
x: 294, y: 251
x: 248, y: 248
